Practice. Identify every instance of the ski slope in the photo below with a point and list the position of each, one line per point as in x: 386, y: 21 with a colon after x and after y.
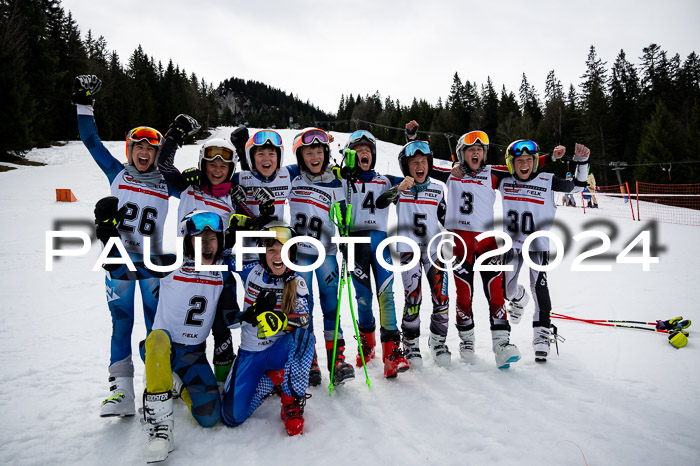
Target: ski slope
x: 612, y: 396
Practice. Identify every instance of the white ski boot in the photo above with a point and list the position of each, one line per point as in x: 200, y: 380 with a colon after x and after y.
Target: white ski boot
x: 121, y: 401
x: 505, y: 352
x: 158, y: 422
x: 540, y: 342
x: 439, y: 350
x: 411, y: 349
x: 517, y: 306
x: 466, y: 346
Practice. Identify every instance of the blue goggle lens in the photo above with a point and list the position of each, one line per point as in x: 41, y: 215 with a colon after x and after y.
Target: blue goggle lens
x: 200, y: 222
x: 265, y: 136
x: 417, y: 147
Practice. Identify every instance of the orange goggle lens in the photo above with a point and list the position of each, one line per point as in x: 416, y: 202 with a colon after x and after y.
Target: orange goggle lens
x: 144, y: 133
x: 226, y: 154
x: 474, y: 136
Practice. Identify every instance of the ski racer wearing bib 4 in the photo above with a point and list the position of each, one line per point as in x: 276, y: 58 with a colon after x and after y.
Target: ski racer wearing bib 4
x: 191, y: 303
x: 276, y: 346
x: 416, y: 209
x: 211, y: 191
x: 368, y: 220
x: 528, y: 207
x: 143, y: 194
x: 313, y: 194
x: 470, y: 197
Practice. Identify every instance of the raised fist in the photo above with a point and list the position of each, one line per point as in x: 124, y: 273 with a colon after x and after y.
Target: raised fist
x: 84, y: 87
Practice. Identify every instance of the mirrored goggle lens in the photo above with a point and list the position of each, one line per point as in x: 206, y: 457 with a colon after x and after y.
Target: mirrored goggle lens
x: 199, y: 222
x: 519, y: 148
x: 261, y: 137
x: 282, y: 234
x: 358, y: 136
x: 226, y: 154
x: 144, y: 133
x: 319, y: 135
x: 417, y: 147
x: 474, y: 136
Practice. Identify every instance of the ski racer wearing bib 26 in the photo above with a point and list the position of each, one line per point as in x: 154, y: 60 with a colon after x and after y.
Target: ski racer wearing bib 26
x: 417, y: 210
x: 371, y: 221
x: 313, y: 194
x: 143, y: 195
x: 528, y: 207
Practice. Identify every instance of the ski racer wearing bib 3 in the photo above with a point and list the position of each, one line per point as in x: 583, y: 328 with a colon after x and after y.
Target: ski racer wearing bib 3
x: 143, y: 198
x: 368, y: 220
x: 276, y: 345
x: 528, y: 207
x: 416, y: 209
x: 313, y: 194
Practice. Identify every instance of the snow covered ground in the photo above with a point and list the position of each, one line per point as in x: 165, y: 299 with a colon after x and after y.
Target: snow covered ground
x: 612, y: 395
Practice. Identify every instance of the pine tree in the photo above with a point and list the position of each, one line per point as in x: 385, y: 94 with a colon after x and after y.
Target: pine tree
x: 660, y: 146
x: 595, y: 105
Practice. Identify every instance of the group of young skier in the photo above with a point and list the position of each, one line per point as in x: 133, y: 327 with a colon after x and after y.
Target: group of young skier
x: 278, y: 353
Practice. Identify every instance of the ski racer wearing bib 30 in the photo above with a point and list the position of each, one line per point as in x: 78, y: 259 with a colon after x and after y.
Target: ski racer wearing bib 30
x: 369, y: 220
x: 528, y: 207
x: 417, y: 210
x: 313, y: 194
x: 143, y: 200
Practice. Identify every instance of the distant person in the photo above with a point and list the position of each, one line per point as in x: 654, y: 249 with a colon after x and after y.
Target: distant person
x: 590, y: 189
x: 568, y: 197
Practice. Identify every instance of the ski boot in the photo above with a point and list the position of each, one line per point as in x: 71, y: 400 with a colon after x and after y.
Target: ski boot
x: 293, y: 413
x: 540, y: 342
x: 158, y: 422
x: 517, y: 306
x: 411, y: 349
x: 394, y: 362
x: 276, y: 376
x: 505, y: 352
x: 368, y: 343
x: 466, y: 345
x: 439, y: 350
x: 121, y: 401
x: 343, y: 371
x: 315, y: 372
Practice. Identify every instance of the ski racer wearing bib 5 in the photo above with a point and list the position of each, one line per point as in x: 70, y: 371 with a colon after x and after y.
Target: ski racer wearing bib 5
x: 528, y: 207
x: 142, y: 194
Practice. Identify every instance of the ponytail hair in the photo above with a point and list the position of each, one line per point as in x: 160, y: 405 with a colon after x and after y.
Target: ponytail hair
x: 289, y: 296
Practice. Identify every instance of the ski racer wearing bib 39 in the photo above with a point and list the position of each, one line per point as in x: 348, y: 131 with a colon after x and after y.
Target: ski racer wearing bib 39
x: 143, y: 195
x: 369, y: 220
x: 313, y: 194
x: 417, y: 209
x: 528, y: 207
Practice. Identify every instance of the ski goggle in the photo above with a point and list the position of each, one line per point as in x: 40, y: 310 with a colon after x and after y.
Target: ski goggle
x: 144, y: 133
x: 360, y: 136
x: 308, y: 137
x: 267, y: 136
x: 521, y: 147
x: 282, y: 234
x: 473, y: 137
x: 415, y: 148
x: 201, y: 221
x: 224, y: 153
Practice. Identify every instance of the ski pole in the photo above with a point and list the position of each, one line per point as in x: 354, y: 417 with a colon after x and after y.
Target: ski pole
x: 604, y: 323
x: 676, y: 323
x: 337, y: 323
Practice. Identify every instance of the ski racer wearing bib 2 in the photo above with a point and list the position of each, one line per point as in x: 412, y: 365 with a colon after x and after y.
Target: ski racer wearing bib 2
x: 143, y: 194
x: 528, y: 207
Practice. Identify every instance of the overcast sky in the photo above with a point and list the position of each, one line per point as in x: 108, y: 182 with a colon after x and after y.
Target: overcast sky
x: 322, y: 49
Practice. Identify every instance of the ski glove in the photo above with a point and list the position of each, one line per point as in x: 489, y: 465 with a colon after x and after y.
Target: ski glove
x: 266, y: 201
x: 238, y: 195
x: 677, y: 323
x: 107, y: 217
x: 183, y: 127
x: 237, y: 222
x: 84, y: 87
x: 263, y: 315
x: 239, y: 137
x: 191, y: 176
x: 678, y: 338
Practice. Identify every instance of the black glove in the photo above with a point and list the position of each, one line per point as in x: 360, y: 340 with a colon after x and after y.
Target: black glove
x: 238, y: 195
x: 183, y: 127
x: 84, y: 87
x: 239, y: 137
x: 265, y: 301
x: 350, y: 174
x: 266, y: 201
x: 238, y: 222
x: 107, y: 217
x: 191, y: 176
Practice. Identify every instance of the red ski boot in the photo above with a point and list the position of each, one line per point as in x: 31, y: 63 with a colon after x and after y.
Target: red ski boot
x: 394, y: 361
x: 293, y: 413
x: 368, y: 343
x: 277, y: 377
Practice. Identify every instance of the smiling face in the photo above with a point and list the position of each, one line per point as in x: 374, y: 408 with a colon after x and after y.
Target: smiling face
x: 143, y: 155
x: 474, y: 156
x: 273, y: 257
x: 522, y: 166
x: 210, y: 244
x: 313, y: 157
x: 217, y: 171
x: 364, y: 156
x: 418, y: 167
x: 265, y: 159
